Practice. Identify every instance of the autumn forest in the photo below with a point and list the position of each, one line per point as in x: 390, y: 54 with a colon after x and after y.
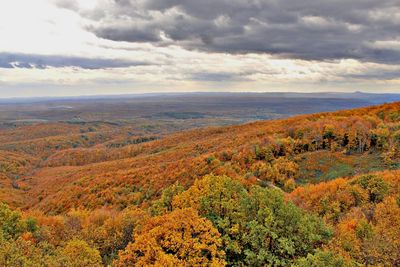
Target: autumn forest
x: 309, y: 190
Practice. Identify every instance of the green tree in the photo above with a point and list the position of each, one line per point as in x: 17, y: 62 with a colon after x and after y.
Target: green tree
x: 11, y: 223
x: 324, y: 258
x: 164, y: 204
x: 258, y: 227
x: 375, y: 185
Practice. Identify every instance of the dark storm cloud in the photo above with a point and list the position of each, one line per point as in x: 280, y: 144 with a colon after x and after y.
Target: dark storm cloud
x: 307, y: 29
x: 375, y: 75
x: 16, y: 60
x: 128, y: 34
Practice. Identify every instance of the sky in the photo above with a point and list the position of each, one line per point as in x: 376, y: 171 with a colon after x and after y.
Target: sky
x: 91, y: 47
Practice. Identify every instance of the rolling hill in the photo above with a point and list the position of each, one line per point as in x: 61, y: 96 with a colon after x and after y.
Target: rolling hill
x: 338, y: 144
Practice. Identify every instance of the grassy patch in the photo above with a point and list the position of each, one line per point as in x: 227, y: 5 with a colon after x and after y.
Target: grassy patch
x: 325, y: 165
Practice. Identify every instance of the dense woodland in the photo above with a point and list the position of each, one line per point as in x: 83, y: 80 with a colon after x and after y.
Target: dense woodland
x: 311, y: 190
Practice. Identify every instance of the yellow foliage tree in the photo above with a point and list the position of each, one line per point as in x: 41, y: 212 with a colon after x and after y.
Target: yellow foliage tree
x: 179, y: 238
x: 77, y: 253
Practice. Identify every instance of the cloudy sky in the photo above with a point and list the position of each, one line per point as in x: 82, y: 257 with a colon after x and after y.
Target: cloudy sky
x: 71, y: 47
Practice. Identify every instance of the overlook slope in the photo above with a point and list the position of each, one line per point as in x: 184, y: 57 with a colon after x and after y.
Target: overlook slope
x: 103, y: 172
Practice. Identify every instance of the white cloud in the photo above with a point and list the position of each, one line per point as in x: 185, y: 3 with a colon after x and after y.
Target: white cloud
x: 41, y: 28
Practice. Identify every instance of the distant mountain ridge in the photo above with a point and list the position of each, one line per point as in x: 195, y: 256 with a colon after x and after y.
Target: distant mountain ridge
x: 374, y: 97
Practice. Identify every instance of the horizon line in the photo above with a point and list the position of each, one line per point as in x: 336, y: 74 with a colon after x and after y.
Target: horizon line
x: 193, y: 92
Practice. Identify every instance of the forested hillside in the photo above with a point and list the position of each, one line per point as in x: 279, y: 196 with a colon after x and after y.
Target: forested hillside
x: 310, y: 190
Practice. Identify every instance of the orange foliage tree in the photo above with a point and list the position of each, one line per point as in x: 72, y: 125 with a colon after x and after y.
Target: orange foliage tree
x: 179, y: 238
